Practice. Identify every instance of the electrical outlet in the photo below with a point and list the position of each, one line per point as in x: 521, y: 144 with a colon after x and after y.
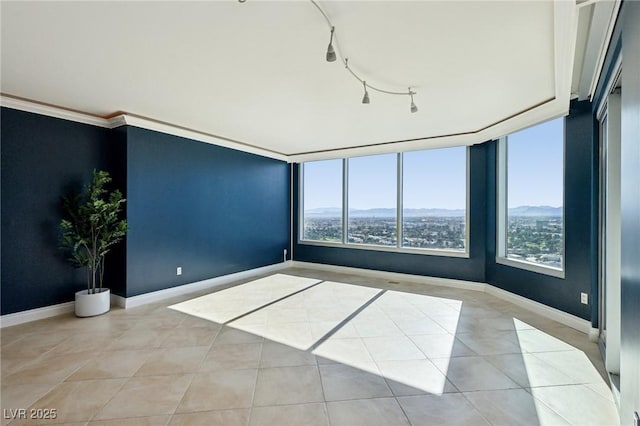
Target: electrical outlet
x: 584, y: 298
x: 179, y: 270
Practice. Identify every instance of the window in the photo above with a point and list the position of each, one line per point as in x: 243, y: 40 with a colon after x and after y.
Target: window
x: 355, y: 202
x: 434, y: 199
x: 322, y: 201
x: 373, y: 200
x: 531, y: 198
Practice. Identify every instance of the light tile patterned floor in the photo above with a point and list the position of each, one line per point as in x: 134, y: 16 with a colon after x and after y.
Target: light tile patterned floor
x: 308, y: 347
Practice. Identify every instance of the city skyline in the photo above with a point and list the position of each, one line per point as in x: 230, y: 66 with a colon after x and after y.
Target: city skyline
x: 424, y: 208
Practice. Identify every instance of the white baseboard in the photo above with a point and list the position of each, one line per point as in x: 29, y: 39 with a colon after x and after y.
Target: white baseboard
x: 118, y: 301
x: 130, y: 302
x: 35, y: 314
x: 541, y: 309
x: 392, y: 276
x: 531, y: 305
x: 156, y: 296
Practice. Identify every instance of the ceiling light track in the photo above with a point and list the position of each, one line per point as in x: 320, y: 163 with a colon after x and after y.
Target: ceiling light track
x: 333, y: 52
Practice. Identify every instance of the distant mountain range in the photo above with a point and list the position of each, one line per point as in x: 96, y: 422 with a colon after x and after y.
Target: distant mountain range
x: 516, y: 211
x: 535, y: 211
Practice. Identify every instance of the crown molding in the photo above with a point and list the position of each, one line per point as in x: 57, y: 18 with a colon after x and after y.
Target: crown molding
x: 26, y: 105
x: 158, y: 126
x: 126, y: 119
x: 117, y: 121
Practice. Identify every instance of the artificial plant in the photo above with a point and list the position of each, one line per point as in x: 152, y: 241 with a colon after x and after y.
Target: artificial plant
x: 92, y: 227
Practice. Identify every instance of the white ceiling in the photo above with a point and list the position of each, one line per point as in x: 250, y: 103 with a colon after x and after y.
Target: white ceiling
x: 255, y: 72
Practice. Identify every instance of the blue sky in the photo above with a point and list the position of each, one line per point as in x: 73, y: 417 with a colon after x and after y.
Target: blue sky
x: 436, y: 178
x: 536, y: 158
x: 323, y: 184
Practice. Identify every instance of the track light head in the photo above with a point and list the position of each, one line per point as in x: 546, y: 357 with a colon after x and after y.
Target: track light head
x: 414, y: 108
x: 365, y: 98
x: 331, y: 54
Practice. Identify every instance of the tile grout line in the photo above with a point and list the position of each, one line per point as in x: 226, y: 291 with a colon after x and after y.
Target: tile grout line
x: 193, y: 375
x: 475, y: 408
x: 544, y: 404
x: 255, y: 386
x: 324, y: 396
x: 386, y: 380
x: 128, y: 379
x: 110, y: 399
x: 56, y: 385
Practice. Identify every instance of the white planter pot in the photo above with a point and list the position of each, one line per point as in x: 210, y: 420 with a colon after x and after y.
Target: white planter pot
x: 90, y: 305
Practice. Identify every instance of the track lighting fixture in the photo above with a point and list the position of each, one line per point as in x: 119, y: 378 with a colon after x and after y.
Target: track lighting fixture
x: 365, y: 98
x: 331, y: 54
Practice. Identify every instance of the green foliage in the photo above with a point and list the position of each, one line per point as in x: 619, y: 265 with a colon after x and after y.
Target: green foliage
x: 92, y: 227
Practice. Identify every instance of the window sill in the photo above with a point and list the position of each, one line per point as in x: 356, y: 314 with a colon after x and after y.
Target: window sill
x: 532, y: 267
x: 424, y: 252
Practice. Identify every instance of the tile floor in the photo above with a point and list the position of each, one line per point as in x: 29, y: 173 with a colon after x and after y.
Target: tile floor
x: 308, y: 347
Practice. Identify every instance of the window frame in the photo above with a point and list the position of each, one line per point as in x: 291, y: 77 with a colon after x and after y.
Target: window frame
x: 343, y: 231
x: 398, y: 248
x: 502, y: 225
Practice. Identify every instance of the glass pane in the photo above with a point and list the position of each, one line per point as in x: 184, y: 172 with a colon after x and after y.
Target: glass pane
x: 373, y: 200
x: 434, y: 202
x: 322, y: 201
x: 535, y: 194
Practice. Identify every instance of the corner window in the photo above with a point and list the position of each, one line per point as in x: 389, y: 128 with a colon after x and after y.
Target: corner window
x: 531, y: 198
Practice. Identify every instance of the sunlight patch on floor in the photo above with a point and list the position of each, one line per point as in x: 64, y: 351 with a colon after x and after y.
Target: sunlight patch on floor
x: 378, y: 331
x: 417, y: 342
x: 225, y: 305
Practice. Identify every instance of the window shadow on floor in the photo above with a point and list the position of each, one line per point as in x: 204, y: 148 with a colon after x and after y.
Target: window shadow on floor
x: 435, y: 351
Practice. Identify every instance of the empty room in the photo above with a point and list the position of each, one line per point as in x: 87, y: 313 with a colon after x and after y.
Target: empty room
x: 319, y: 212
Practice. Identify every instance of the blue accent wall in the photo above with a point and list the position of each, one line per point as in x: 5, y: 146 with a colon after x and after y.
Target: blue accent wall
x: 470, y: 269
x: 44, y: 158
x: 209, y: 209
x: 580, y: 205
